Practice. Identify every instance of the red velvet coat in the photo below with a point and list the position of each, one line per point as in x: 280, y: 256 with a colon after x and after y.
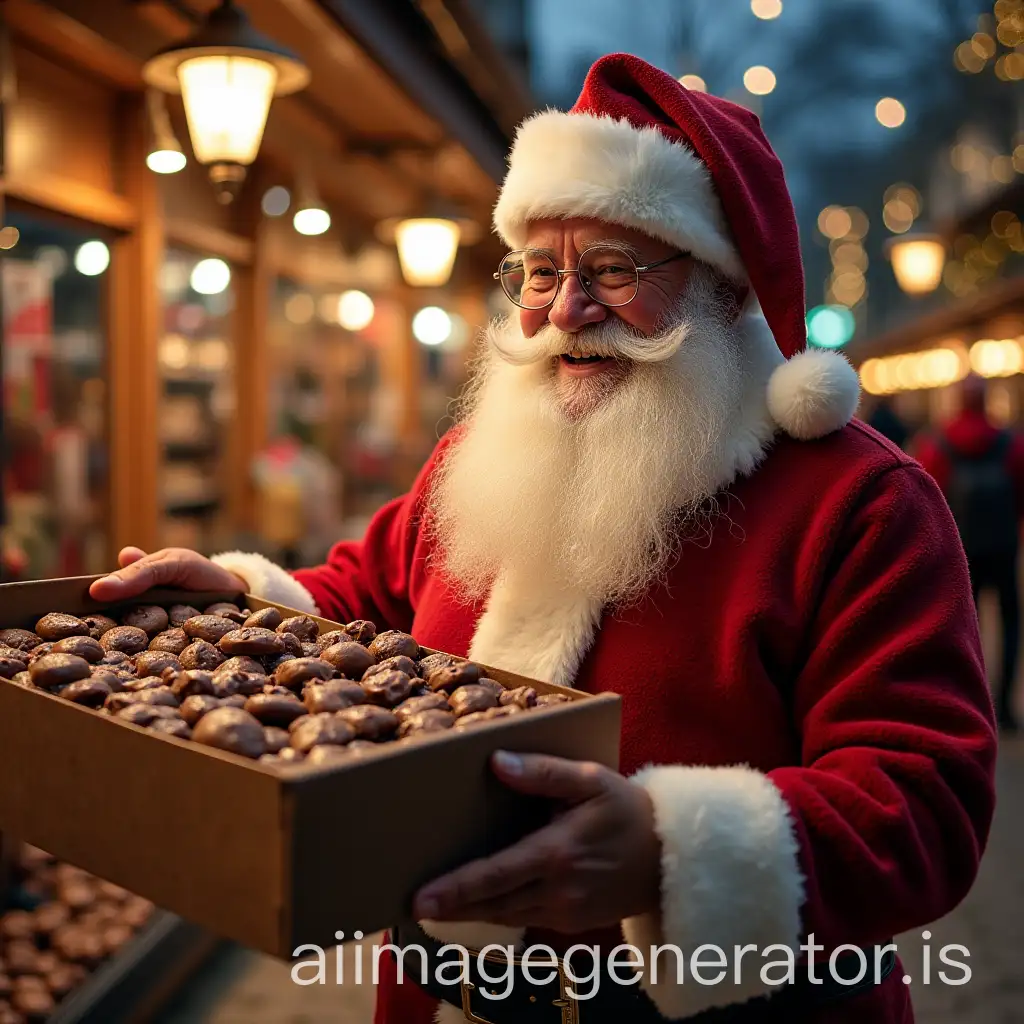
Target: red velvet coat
x: 826, y: 637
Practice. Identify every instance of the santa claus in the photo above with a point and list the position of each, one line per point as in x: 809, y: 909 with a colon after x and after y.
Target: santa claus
x: 654, y: 489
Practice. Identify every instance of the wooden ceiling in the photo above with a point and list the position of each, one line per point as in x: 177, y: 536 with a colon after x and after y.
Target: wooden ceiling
x: 373, y: 150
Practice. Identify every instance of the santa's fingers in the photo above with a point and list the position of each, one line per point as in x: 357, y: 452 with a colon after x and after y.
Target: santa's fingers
x: 530, y: 860
x: 523, y: 908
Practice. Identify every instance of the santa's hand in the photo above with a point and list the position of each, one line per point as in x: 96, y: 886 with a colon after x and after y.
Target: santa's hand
x: 171, y: 567
x: 595, y: 864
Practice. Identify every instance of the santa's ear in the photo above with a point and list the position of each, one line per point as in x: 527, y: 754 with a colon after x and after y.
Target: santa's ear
x: 813, y: 394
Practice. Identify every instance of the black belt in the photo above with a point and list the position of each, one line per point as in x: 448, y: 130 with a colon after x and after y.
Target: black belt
x: 615, y: 1003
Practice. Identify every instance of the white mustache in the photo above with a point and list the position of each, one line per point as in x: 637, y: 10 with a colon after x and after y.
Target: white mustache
x: 610, y: 339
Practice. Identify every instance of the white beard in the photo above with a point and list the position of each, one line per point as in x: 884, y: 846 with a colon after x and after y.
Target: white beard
x: 558, y: 514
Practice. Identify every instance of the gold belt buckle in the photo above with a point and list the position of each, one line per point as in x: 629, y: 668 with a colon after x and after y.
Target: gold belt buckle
x: 568, y: 1006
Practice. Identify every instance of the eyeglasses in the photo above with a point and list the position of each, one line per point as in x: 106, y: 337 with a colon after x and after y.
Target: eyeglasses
x: 607, y: 273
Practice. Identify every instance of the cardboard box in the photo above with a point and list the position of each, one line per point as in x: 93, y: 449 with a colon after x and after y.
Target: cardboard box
x: 272, y: 858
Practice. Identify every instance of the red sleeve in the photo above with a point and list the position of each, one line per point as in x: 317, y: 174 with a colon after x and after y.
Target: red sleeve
x: 370, y: 578
x: 933, y: 458
x: 893, y: 802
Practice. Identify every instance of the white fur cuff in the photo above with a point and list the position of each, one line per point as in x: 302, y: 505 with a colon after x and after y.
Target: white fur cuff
x: 267, y: 580
x: 730, y: 877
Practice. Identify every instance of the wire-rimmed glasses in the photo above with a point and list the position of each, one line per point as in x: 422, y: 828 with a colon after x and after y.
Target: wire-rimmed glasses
x: 607, y: 273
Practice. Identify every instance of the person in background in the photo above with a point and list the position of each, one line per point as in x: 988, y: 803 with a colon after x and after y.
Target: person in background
x: 888, y: 422
x: 980, y: 469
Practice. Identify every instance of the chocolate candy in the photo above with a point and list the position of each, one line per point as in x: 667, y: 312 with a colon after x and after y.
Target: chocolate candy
x: 234, y: 700
x: 315, y: 730
x: 115, y: 659
x: 468, y: 700
x: 118, y: 701
x: 251, y: 640
x: 193, y: 708
x: 387, y: 688
x: 271, y: 664
x: 98, y: 624
x: 49, y: 917
x: 546, y: 700
x: 155, y: 663
x: 349, y: 658
x: 142, y: 713
x: 271, y: 709
x: 137, y: 685
x: 179, y: 614
x: 422, y: 722
x: 38, y: 652
x: 54, y: 670
x: 82, y: 646
x: 463, y: 673
x: 148, y: 617
x: 17, y: 924
x: 227, y: 610
x: 10, y: 667
x: 64, y: 979
x: 128, y: 639
x: 277, y: 691
x: 393, y: 642
x: 265, y: 618
x: 524, y: 696
x: 231, y: 729
x: 292, y: 645
x: 370, y: 721
x: 91, y: 692
x: 274, y: 739
x: 201, y: 654
x: 480, y: 717
x: 208, y: 627
x: 20, y: 957
x: 189, y: 682
x: 115, y: 935
x: 332, y: 637
x: 173, y: 641
x: 362, y: 631
x: 434, y: 661
x: 320, y: 697
x: 297, y: 671
x: 245, y: 683
x: 327, y: 754
x: 34, y: 1002
x: 310, y: 649
x: 172, y: 727
x: 301, y: 626
x: 19, y: 639
x: 159, y: 695
x: 428, y: 702
x: 241, y: 663
x: 399, y: 663
x: 15, y: 654
x: 493, y: 685
x: 57, y: 626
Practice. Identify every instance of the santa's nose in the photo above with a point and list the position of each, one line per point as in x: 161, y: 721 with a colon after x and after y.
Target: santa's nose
x: 573, y: 308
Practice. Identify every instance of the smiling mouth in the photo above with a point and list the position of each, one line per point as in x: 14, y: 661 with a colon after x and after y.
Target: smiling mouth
x: 583, y: 360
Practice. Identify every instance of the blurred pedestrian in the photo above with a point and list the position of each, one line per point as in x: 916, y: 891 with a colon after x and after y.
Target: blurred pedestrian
x: 888, y: 422
x: 980, y: 468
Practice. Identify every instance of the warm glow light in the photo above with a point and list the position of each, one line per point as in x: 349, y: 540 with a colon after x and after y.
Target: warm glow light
x: 311, y: 220
x: 426, y: 250
x: 993, y: 358
x: 897, y: 216
x: 210, y: 277
x: 766, y: 9
x: 92, y: 258
x: 890, y: 113
x: 355, y: 310
x: 694, y: 83
x: 226, y: 103
x: 9, y: 237
x: 932, y: 368
x: 834, y: 222
x: 431, y: 326
x: 759, y: 80
x: 917, y: 262
x: 299, y: 308
x: 166, y: 161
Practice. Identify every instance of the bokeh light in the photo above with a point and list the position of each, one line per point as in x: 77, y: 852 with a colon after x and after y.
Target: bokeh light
x: 92, y: 258
x: 890, y: 113
x: 694, y: 83
x: 759, y: 80
x: 766, y: 10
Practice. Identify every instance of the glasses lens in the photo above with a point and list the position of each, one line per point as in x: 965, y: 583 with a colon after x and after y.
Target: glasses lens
x: 529, y: 278
x: 608, y: 275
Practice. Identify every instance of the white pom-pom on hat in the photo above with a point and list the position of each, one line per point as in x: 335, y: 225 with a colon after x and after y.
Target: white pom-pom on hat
x: 813, y: 394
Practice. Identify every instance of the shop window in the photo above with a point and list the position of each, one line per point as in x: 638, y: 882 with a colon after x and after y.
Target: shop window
x: 197, y: 401
x: 56, y: 463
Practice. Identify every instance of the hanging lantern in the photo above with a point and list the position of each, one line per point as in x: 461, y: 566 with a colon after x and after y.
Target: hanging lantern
x: 426, y: 250
x: 917, y: 262
x: 227, y: 74
x: 165, y: 154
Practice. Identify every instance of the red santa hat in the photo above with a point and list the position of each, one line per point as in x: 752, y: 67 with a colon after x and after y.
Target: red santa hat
x: 696, y: 171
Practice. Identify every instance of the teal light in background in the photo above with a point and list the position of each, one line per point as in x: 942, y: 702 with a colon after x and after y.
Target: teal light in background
x: 830, y: 326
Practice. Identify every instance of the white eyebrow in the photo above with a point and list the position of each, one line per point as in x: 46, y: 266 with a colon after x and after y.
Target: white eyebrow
x: 617, y: 243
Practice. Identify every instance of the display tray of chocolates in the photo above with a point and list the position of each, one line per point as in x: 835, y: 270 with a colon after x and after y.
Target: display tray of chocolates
x: 69, y: 940
x: 243, y: 765
x: 258, y: 683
